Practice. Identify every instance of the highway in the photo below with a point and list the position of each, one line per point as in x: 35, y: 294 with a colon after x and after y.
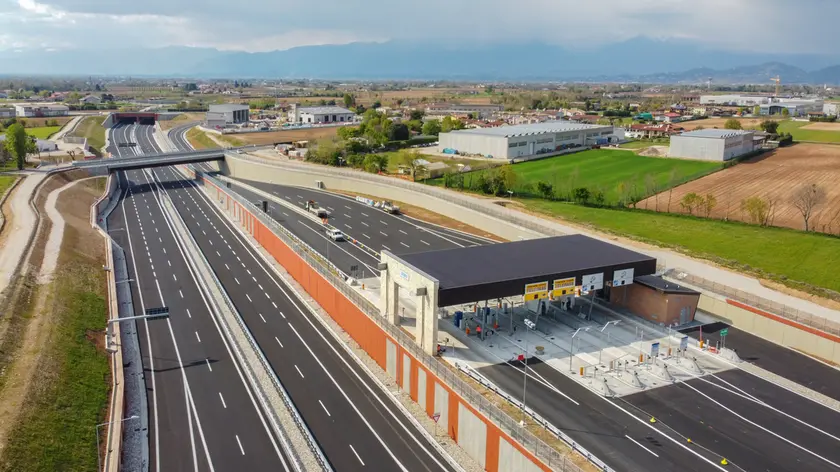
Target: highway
x: 357, y: 426
x: 753, y: 424
x: 203, y: 413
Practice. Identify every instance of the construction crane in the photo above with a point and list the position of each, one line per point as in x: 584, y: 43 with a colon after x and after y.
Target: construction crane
x: 778, y: 81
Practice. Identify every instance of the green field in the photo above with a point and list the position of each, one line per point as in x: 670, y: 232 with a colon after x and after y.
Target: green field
x: 799, y: 134
x: 92, y: 129
x: 779, y: 253
x: 6, y: 181
x: 602, y: 169
x: 43, y: 132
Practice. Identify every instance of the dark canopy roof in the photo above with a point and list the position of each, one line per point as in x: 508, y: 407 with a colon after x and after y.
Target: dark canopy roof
x: 664, y: 286
x: 502, y: 270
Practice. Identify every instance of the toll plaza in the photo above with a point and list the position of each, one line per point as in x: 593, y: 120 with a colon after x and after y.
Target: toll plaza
x: 564, y: 299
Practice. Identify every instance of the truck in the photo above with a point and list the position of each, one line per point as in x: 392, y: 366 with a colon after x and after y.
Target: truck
x: 313, y: 208
x: 389, y: 207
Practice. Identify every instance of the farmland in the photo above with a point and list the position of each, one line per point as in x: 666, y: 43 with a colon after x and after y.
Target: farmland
x: 775, y: 177
x: 605, y: 170
x: 272, y: 137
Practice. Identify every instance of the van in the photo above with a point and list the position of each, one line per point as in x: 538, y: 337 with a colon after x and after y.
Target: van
x: 335, y: 234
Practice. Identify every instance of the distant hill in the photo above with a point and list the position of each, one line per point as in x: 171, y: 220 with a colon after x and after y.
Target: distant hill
x: 639, y: 59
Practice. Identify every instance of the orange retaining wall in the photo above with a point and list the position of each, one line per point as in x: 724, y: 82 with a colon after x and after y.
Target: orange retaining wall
x: 370, y: 336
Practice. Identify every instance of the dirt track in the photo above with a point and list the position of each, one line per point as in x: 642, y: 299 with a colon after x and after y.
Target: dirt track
x: 286, y: 136
x: 776, y: 175
x: 822, y: 127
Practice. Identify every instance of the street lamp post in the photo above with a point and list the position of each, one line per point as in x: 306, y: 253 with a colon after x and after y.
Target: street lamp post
x: 613, y: 322
x: 572, y: 350
x: 99, y: 456
x: 530, y: 325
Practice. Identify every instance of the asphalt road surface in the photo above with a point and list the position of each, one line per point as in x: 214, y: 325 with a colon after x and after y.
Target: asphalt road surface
x: 357, y: 426
x: 203, y: 413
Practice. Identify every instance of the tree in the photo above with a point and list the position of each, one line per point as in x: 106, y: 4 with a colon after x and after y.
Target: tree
x: 756, y: 110
x: 349, y: 132
x: 376, y: 104
x: 18, y: 144
x: 410, y: 159
x: 415, y: 125
x: 690, y: 201
x: 650, y: 187
x: 545, y: 189
x: 450, y: 123
x: 805, y: 199
x: 376, y: 163
x: 417, y: 114
x: 708, y: 204
x: 398, y: 132
x: 785, y: 112
x: 770, y: 126
x: 581, y: 195
x: 732, y: 123
x: 508, y: 177
x: 759, y: 210
x: 431, y: 128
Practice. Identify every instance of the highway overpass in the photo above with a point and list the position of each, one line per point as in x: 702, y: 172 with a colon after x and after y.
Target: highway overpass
x: 152, y: 160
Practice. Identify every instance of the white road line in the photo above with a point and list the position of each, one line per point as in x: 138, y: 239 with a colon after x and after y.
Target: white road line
x: 404, y: 244
x: 197, y: 336
x: 384, y: 223
x: 348, y: 216
x: 275, y: 305
x: 348, y: 226
x: 403, y: 232
x: 217, y: 253
x: 362, y: 222
x: 386, y: 247
x: 383, y: 234
x: 227, y: 266
x: 345, y: 206
x: 299, y: 372
x: 174, y: 276
x: 249, y: 298
x: 223, y: 400
x: 237, y: 281
x: 363, y: 234
x: 207, y: 360
x: 240, y: 445
x: 188, y: 313
x: 357, y: 455
x: 281, y: 314
x: 170, y: 265
x: 364, y: 214
x: 325, y: 408
x: 638, y: 444
x: 180, y: 293
x: 262, y: 318
x: 278, y: 341
x: 424, y: 242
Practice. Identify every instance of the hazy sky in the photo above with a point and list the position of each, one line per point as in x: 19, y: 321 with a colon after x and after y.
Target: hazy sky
x: 787, y: 26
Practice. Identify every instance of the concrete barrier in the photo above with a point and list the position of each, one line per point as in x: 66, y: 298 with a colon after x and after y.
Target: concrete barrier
x: 773, y: 328
x: 462, y: 412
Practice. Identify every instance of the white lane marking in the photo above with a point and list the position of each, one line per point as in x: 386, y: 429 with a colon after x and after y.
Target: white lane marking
x: 262, y: 318
x: 386, y: 247
x: 223, y: 400
x: 348, y: 216
x: 180, y: 293
x: 278, y: 341
x: 383, y: 234
x: 299, y: 372
x: 345, y: 206
x: 217, y: 253
x: 364, y: 214
x: 170, y: 265
x: 424, y: 242
x: 403, y: 232
x: 188, y: 313
x: 362, y: 222
x: 325, y: 408
x: 348, y: 226
x: 207, y: 360
x: 237, y: 281
x: 240, y: 445
x: 363, y: 234
x: 404, y: 244
x: 275, y: 305
x: 197, y: 336
x: 281, y: 314
x: 639, y: 444
x: 249, y: 298
x: 227, y: 266
x: 248, y: 271
x: 357, y: 454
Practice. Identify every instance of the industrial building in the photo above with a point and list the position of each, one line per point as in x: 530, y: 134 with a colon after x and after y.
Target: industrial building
x: 227, y: 114
x: 712, y: 144
x: 446, y: 109
x: 320, y: 115
x: 511, y: 142
x: 37, y: 110
x: 795, y: 107
x: 7, y: 112
x: 734, y: 100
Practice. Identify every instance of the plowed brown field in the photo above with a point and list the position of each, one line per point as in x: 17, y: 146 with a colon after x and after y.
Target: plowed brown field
x: 775, y: 176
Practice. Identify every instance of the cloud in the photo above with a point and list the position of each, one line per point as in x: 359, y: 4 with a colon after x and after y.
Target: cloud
x: 785, y: 26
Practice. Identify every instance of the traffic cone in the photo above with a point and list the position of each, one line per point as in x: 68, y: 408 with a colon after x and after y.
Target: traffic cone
x: 652, y: 419
x: 724, y: 461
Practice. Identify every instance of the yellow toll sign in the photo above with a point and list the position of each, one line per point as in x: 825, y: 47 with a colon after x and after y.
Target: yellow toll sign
x: 563, y: 287
x: 536, y: 291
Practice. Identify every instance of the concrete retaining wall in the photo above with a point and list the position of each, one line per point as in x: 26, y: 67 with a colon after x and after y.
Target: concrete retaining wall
x: 391, y: 356
x: 300, y: 176
x: 773, y: 328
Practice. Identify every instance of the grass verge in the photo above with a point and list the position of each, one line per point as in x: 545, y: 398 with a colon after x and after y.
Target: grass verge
x: 43, y: 132
x: 805, y: 261
x: 6, y: 181
x: 92, y: 129
x: 200, y: 140
x: 799, y: 134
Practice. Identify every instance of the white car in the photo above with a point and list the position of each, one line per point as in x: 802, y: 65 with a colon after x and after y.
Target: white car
x: 335, y: 234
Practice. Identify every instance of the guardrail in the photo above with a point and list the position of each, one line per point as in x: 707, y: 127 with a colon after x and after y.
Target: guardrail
x: 539, y: 448
x: 793, y: 314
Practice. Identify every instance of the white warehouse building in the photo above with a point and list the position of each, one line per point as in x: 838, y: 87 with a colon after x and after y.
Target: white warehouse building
x: 319, y: 115
x: 712, y: 144
x: 227, y: 114
x: 734, y: 100
x: 511, y: 142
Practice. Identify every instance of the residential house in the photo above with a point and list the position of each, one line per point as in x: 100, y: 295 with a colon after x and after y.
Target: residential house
x: 93, y: 99
x: 650, y: 131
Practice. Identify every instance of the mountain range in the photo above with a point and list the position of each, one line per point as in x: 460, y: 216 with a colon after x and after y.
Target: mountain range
x: 641, y: 59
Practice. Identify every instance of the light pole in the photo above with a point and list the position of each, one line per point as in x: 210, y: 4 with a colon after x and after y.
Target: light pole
x: 613, y: 322
x: 572, y: 350
x: 530, y: 325
x: 99, y: 456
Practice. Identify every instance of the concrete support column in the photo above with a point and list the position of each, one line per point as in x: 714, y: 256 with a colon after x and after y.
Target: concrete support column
x: 427, y: 322
x: 389, y: 297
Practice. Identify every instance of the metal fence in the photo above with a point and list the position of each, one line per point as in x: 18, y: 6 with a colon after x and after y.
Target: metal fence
x: 539, y: 448
x: 793, y: 314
